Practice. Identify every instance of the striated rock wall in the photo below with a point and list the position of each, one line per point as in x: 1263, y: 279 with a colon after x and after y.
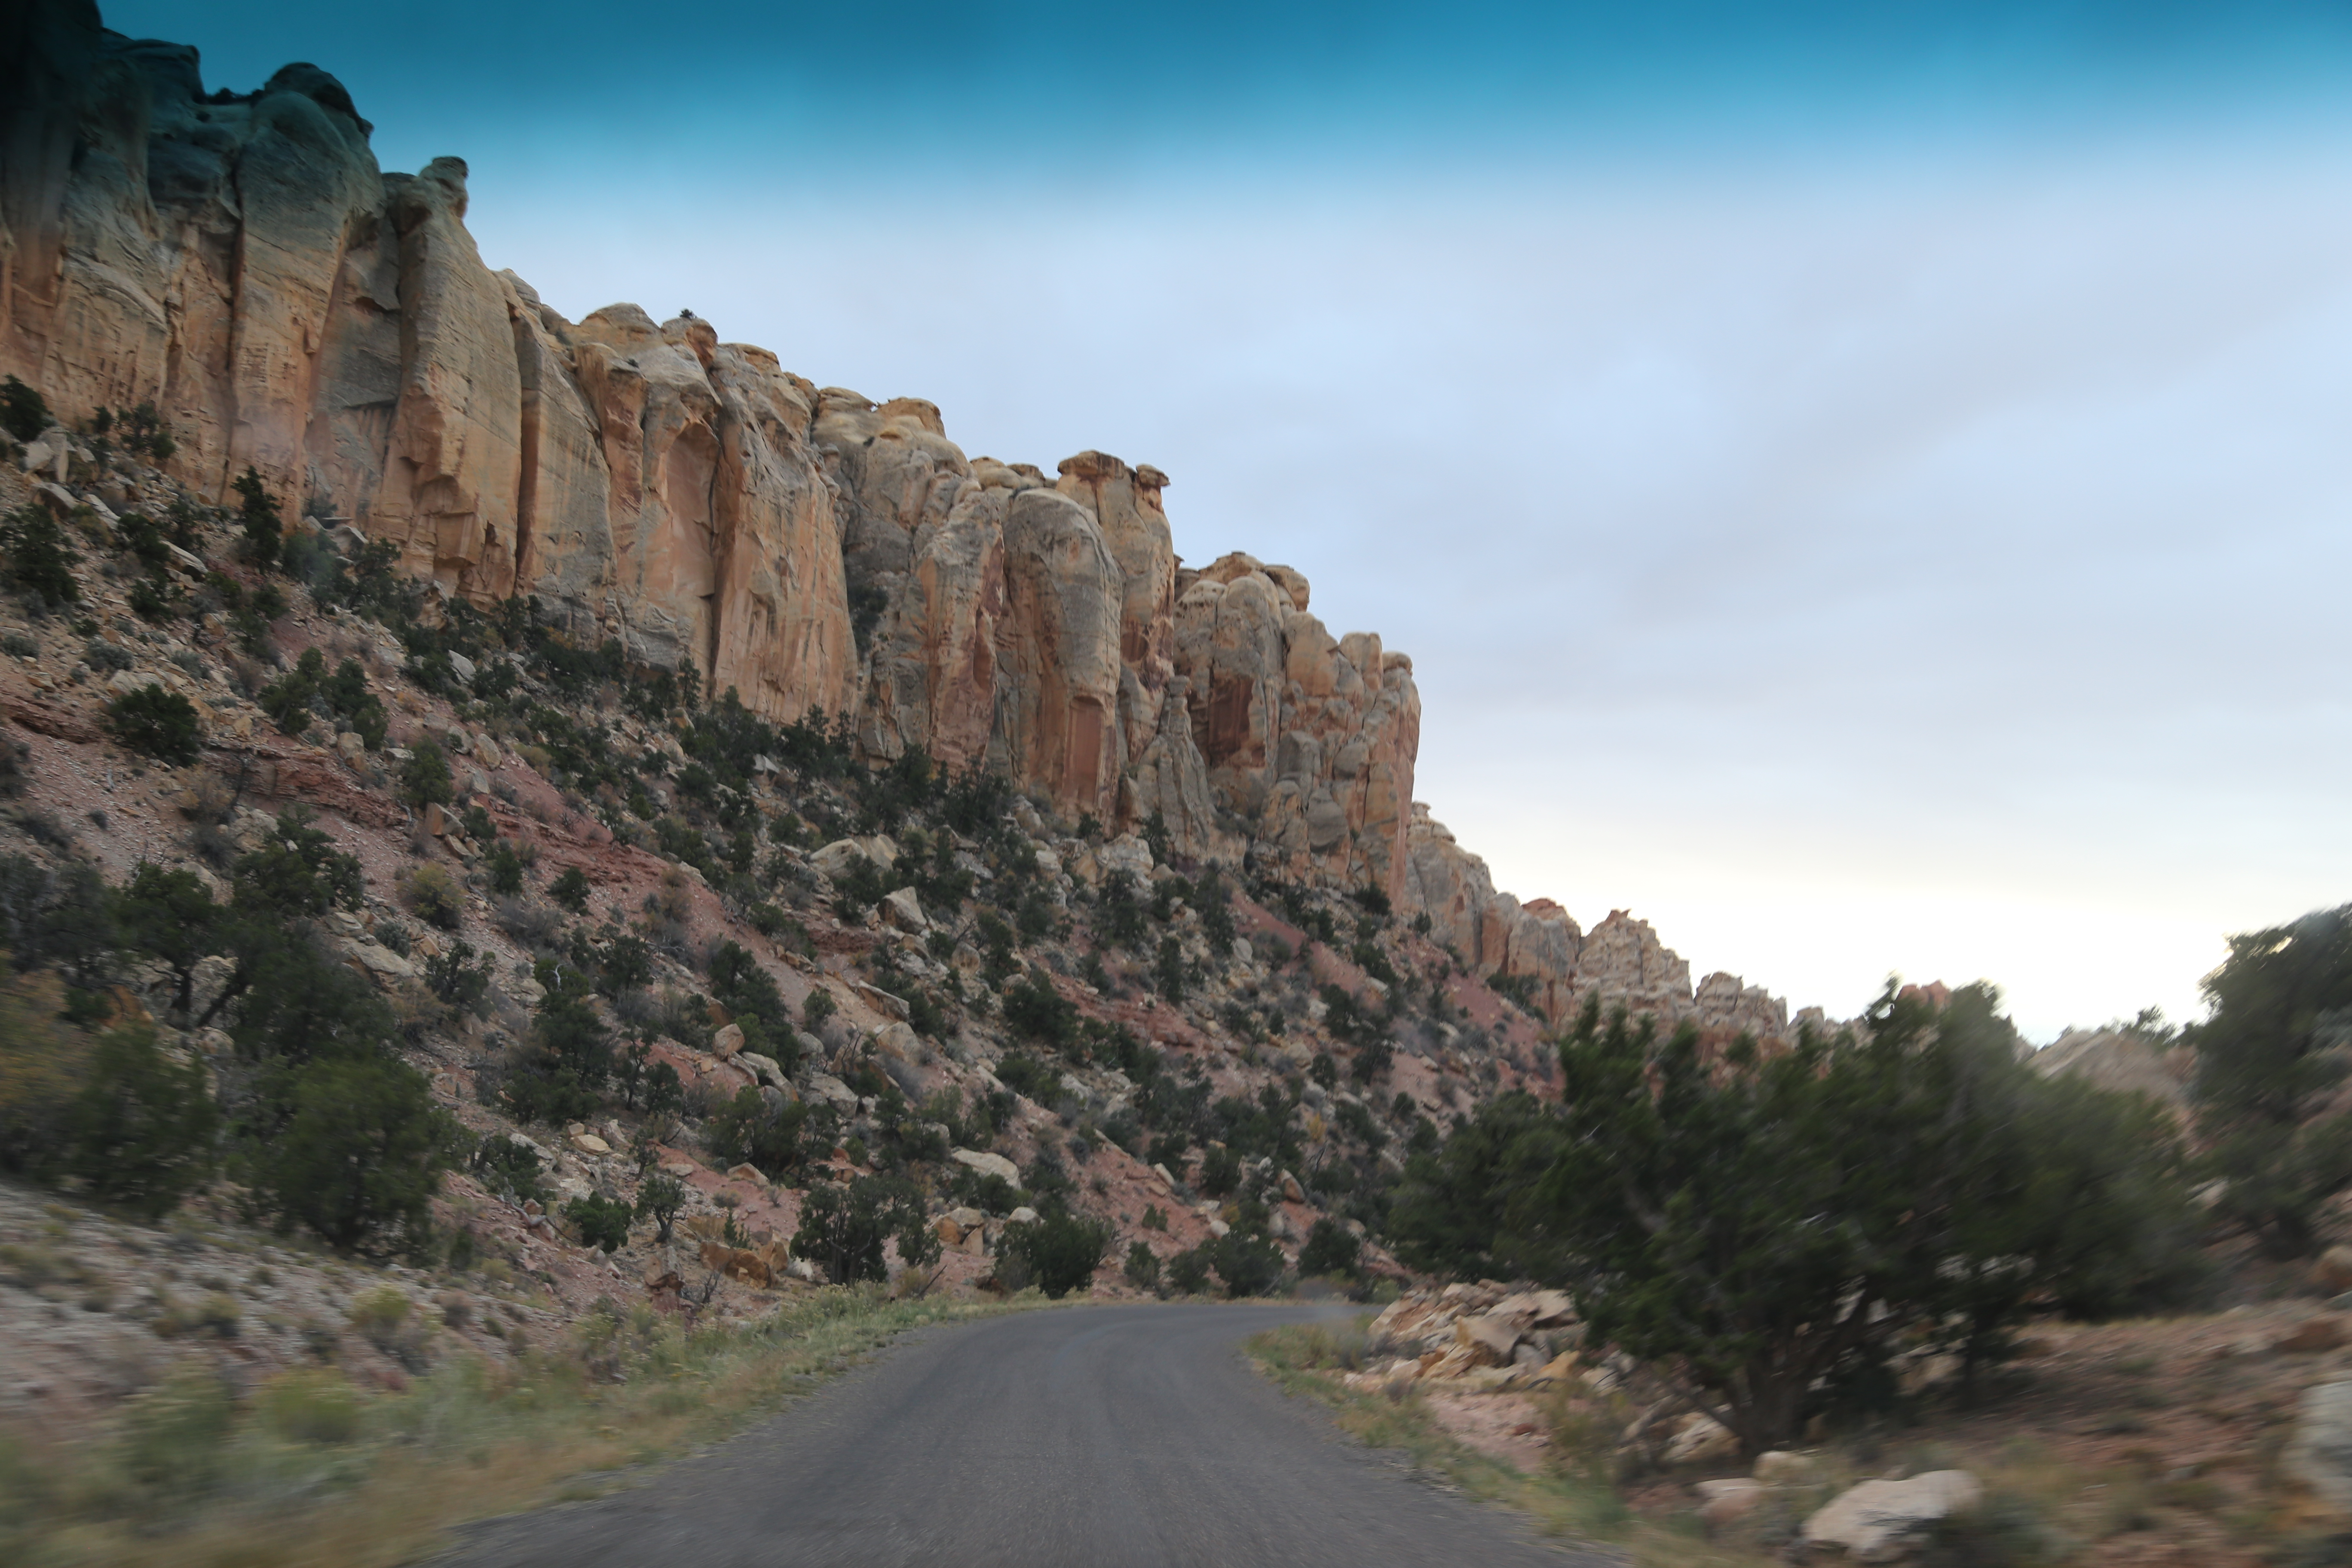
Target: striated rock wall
x: 241, y: 261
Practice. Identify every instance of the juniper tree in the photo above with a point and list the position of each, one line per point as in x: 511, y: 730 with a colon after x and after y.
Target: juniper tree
x: 2268, y: 1058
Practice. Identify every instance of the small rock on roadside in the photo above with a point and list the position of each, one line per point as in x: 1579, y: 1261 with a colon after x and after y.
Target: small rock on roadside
x: 1722, y: 1501
x: 1873, y: 1521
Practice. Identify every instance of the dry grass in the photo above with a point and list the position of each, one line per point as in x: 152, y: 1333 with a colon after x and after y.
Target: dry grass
x: 309, y: 1471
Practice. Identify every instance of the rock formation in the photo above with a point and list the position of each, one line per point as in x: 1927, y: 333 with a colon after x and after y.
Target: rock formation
x: 241, y: 262
x: 2122, y: 1060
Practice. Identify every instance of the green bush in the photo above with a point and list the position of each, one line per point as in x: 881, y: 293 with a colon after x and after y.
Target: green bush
x: 311, y: 1407
x: 290, y: 700
x: 436, y: 896
x: 157, y: 721
x: 23, y: 412
x: 359, y: 1159
x: 174, y: 1437
x: 1249, y: 1265
x: 287, y: 699
x: 1770, y: 1229
x: 1330, y: 1250
x: 747, y: 1132
x: 1142, y: 1269
x: 570, y: 890
x: 1168, y: 970
x: 843, y: 1228
x: 146, y: 435
x: 1221, y: 1171
x: 425, y: 778
x: 601, y: 1221
x: 504, y: 868
x: 105, y: 657
x: 1037, y: 1009
x: 2269, y: 1061
x: 258, y: 514
x: 379, y: 1316
x: 509, y: 1167
x: 140, y: 1131
x: 456, y: 980
x: 153, y: 601
x: 1060, y: 1250
x: 658, y: 1200
x: 1187, y: 1271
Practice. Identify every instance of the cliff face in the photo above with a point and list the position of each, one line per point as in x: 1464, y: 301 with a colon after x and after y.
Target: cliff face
x: 244, y: 264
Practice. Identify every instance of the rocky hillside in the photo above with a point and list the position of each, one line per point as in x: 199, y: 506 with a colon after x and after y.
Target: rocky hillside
x: 240, y: 263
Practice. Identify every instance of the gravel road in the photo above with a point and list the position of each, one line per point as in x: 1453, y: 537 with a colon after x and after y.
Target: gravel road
x: 1104, y: 1437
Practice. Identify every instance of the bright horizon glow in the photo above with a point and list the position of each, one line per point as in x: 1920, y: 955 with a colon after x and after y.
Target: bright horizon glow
x: 1864, y: 500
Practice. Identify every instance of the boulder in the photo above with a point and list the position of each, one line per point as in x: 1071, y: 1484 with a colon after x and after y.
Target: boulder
x: 1553, y: 1309
x: 1700, y: 1440
x: 737, y: 1263
x: 1291, y: 1191
x: 769, y: 1072
x: 2331, y: 1274
x: 883, y: 1001
x: 589, y: 1143
x: 1734, y: 1498
x: 1875, y: 1522
x: 900, y: 1040
x: 904, y: 909
x: 1024, y: 1215
x: 747, y: 1172
x: 986, y: 1163
x: 949, y: 1232
x: 2325, y: 1332
x: 1489, y: 1340
x: 379, y: 960
x: 727, y: 1042
x: 1780, y: 1468
x: 2319, y: 1455
x: 827, y: 1086
x: 837, y: 857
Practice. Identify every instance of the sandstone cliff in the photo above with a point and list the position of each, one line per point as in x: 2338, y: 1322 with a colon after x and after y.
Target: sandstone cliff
x: 241, y: 261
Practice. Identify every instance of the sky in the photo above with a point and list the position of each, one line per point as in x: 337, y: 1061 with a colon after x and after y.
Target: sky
x: 1863, y: 485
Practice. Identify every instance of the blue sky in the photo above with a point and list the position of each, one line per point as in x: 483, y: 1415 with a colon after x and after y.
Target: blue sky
x: 1863, y: 485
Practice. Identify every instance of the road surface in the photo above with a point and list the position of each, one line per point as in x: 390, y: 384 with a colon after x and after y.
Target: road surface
x: 1103, y: 1436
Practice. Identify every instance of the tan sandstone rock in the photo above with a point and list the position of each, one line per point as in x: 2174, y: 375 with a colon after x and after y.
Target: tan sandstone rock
x: 1873, y: 1521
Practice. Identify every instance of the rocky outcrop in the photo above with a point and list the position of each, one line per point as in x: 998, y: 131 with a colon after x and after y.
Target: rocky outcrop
x: 163, y: 247
x: 1492, y: 931
x: 1620, y: 962
x: 2121, y: 1061
x: 1306, y: 739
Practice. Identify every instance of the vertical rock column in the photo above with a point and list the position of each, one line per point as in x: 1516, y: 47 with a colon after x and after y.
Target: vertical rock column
x: 454, y: 461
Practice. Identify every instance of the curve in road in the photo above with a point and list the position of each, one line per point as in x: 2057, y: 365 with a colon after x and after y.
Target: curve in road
x: 1107, y: 1437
